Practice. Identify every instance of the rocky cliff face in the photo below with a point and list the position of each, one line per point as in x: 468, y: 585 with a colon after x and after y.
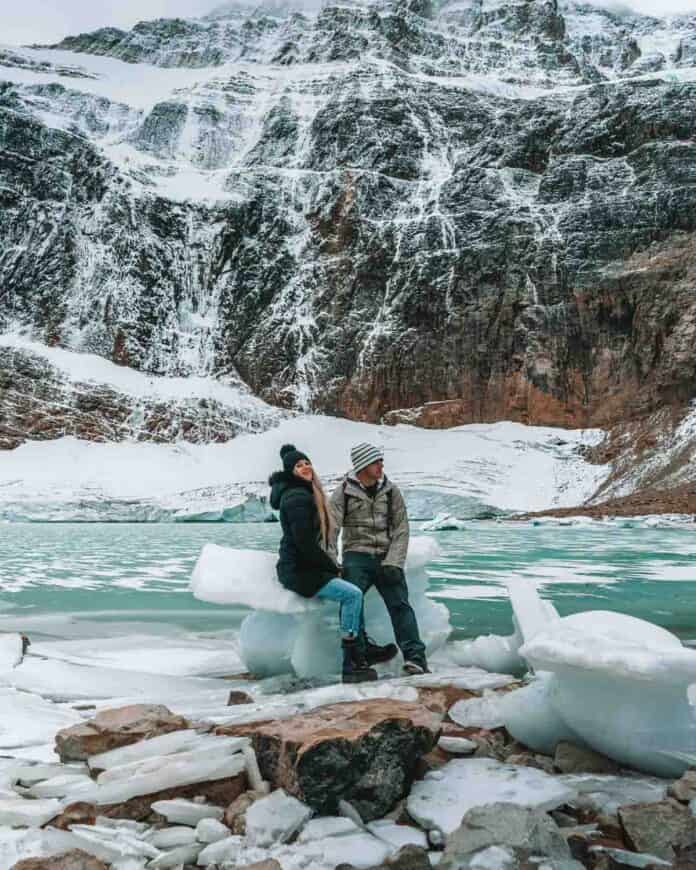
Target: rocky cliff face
x: 479, y: 210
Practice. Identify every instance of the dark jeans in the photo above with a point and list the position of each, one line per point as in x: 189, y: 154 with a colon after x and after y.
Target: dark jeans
x: 365, y: 571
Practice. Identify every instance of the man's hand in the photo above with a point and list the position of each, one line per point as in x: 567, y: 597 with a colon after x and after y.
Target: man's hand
x: 391, y: 574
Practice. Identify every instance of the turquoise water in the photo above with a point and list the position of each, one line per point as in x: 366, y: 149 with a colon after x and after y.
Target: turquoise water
x: 55, y: 574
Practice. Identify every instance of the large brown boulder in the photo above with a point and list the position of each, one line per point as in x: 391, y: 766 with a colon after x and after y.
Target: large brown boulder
x: 366, y: 752
x: 75, y: 859
x: 114, y: 728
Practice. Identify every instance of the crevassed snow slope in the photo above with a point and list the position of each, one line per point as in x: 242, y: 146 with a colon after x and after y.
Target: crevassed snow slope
x: 506, y: 465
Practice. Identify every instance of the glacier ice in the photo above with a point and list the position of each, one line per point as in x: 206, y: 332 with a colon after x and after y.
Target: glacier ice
x: 397, y: 835
x: 185, y: 812
x: 443, y: 522
x: 441, y: 799
x: 326, y: 826
x: 164, y: 744
x: 615, y: 683
x: 211, y: 830
x: 286, y: 632
x: 162, y: 772
x: 457, y: 745
x: 11, y: 651
x: 177, y: 857
x: 178, y: 835
x: 16, y: 812
x: 223, y: 852
x: 483, y: 712
x: 275, y: 818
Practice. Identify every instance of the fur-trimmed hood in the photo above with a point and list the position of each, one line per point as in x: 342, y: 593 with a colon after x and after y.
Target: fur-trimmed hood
x: 280, y: 482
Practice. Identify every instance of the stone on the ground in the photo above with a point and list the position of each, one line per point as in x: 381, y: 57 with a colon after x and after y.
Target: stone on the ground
x: 522, y: 830
x: 457, y: 745
x: 235, y: 814
x: 570, y: 758
x: 211, y: 830
x: 268, y: 864
x: 185, y: 812
x: 684, y: 789
x: 327, y: 826
x: 237, y: 696
x: 483, y: 712
x: 20, y: 812
x: 407, y: 858
x: 78, y: 813
x: 398, y: 835
x: 75, y: 859
x: 658, y: 828
x: 177, y: 857
x: 275, y: 818
x: 532, y: 759
x: 114, y: 728
x: 605, y: 794
x: 171, y: 838
x: 366, y: 752
x: 441, y: 799
x: 624, y: 858
x: 223, y: 852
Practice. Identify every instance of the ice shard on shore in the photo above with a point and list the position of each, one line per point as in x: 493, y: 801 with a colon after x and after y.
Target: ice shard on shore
x: 615, y: 683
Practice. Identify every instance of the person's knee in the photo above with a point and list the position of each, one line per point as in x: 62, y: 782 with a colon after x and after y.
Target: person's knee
x: 354, y: 594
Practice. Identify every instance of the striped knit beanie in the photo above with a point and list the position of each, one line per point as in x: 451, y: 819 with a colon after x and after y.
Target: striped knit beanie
x: 363, y: 454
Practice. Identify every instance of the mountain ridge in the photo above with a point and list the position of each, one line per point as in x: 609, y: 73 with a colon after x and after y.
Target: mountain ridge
x: 396, y: 211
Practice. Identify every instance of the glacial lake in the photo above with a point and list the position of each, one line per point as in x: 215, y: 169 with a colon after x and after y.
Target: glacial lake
x: 65, y: 580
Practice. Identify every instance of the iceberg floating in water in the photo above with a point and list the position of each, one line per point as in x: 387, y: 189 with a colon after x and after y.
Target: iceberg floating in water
x: 606, y: 680
x: 443, y: 522
x: 286, y: 632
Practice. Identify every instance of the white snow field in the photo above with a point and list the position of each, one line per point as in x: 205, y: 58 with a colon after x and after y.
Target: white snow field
x: 505, y: 466
x: 286, y: 632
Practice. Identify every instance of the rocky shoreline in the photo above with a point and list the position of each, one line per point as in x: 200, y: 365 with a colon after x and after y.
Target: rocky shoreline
x: 681, y: 500
x: 413, y: 774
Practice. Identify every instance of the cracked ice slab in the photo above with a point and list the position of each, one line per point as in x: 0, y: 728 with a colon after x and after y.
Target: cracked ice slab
x: 444, y: 796
x: 165, y: 772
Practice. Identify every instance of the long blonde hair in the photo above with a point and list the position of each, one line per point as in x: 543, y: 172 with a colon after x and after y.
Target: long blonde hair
x: 326, y: 523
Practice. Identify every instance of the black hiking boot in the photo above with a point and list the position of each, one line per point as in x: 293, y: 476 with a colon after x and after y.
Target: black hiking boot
x: 415, y: 667
x: 376, y: 654
x: 355, y: 666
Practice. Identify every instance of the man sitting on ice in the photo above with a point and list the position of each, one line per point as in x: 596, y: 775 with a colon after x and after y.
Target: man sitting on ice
x: 372, y: 513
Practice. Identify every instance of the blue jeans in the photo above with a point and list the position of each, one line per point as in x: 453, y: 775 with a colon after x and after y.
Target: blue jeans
x: 351, y: 600
x: 366, y: 571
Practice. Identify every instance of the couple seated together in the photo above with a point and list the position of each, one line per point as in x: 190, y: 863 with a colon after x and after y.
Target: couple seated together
x: 371, y: 511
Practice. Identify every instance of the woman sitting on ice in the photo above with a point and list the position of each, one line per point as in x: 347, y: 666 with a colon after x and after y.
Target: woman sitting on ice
x: 304, y: 565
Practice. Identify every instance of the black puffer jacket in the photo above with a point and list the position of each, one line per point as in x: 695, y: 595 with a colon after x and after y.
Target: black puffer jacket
x: 303, y: 565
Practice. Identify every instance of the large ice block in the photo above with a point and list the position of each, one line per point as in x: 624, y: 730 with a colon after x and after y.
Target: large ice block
x: 286, y: 632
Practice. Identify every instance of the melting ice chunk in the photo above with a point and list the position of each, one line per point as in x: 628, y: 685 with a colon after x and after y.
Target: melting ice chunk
x: 274, y: 819
x: 183, y: 812
x: 439, y: 801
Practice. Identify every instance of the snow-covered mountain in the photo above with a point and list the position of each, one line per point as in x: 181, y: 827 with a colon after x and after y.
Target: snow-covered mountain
x: 400, y: 210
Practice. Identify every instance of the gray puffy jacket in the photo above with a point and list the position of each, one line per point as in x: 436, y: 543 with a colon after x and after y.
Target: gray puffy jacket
x: 366, y: 522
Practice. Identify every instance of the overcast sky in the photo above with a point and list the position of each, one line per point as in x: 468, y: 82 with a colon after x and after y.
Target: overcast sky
x: 49, y: 20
